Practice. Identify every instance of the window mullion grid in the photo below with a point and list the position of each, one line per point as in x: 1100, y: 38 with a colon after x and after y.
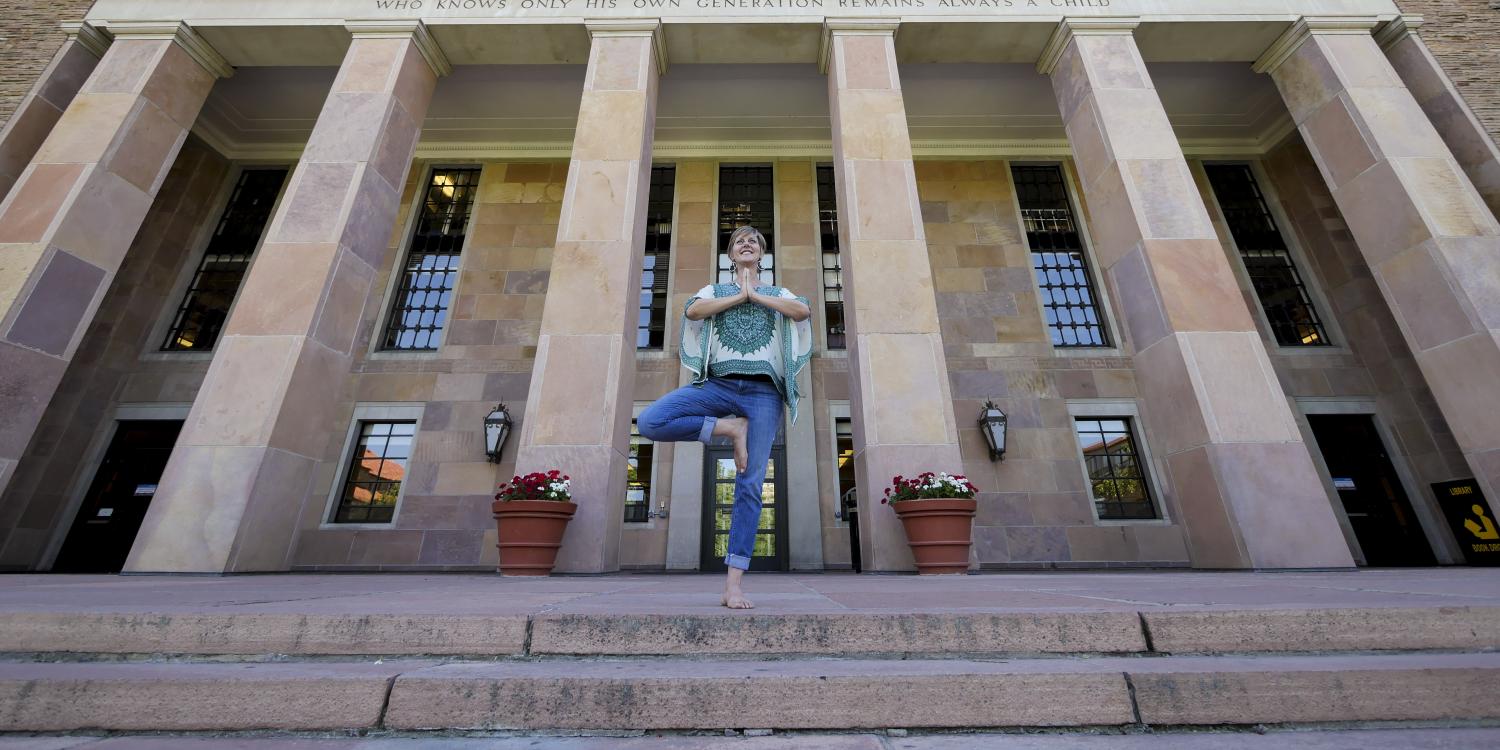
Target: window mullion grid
x: 376, y: 468
x: 651, y: 325
x: 1274, y: 276
x: 424, y: 293
x: 206, y: 302
x: 1116, y: 469
x: 746, y: 196
x: 833, y: 268
x: 1064, y: 280
x: 638, y: 477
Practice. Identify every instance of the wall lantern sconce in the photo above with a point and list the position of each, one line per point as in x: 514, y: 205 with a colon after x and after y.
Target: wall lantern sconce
x: 496, y: 430
x: 992, y: 424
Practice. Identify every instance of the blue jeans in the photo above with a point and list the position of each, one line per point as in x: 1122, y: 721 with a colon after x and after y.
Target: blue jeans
x: 690, y: 412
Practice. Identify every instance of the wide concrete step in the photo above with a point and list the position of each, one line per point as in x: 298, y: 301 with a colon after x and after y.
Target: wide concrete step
x: 949, y: 633
x: 808, y: 693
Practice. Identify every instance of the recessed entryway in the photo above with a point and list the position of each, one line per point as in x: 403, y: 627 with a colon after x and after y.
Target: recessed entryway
x: 1371, y: 492
x: 718, y: 504
x: 117, y: 498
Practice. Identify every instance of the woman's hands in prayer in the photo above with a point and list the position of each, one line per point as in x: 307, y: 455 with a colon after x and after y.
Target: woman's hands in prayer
x: 747, y: 279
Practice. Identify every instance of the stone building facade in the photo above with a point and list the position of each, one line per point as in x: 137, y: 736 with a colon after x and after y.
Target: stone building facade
x: 1232, y: 273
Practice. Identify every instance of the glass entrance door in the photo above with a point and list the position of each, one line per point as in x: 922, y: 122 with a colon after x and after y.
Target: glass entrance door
x: 718, y: 504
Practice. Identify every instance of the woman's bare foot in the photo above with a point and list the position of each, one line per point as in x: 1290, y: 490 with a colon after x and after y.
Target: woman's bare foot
x: 736, y: 429
x: 734, y: 597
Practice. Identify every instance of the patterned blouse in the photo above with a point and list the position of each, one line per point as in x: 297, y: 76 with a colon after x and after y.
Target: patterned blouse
x: 748, y: 339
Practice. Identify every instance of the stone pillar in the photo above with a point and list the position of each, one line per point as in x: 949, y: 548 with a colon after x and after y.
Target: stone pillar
x: 898, y: 377
x: 1242, y: 478
x: 1431, y: 244
x: 1445, y: 107
x: 694, y: 259
x: 799, y: 267
x: 54, y: 90
x: 265, y: 416
x: 65, y: 226
x: 583, y: 381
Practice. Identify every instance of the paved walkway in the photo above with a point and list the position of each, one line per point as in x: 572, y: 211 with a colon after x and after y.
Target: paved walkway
x: 479, y: 594
x: 1384, y: 739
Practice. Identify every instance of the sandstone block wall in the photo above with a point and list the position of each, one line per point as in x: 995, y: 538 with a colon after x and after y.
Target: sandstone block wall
x: 29, y: 36
x: 485, y: 358
x: 1034, y: 508
x: 1465, y: 37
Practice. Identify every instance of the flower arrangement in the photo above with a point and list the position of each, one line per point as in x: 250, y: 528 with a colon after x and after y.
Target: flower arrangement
x: 929, y: 485
x: 552, y: 485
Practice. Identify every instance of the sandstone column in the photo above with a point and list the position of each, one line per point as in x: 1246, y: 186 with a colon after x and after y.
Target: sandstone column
x: 583, y: 381
x: 54, y: 90
x: 65, y: 226
x: 1242, y: 478
x: 266, y: 414
x: 1431, y: 244
x: 1445, y: 107
x: 898, y: 377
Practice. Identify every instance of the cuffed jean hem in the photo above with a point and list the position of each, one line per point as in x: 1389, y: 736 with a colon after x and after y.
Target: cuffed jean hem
x: 706, y: 434
x: 737, y: 561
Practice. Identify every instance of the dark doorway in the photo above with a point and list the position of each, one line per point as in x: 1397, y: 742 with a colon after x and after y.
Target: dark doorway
x: 116, y: 503
x: 718, y: 503
x: 1371, y: 492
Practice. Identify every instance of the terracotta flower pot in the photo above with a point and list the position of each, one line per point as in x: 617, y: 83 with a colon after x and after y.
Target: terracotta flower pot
x: 939, y: 532
x: 530, y: 532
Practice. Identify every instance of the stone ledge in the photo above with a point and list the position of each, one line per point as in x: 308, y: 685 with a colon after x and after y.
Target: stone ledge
x: 1371, y: 629
x: 655, y: 694
x: 1283, y: 690
x: 855, y: 694
x: 806, y: 694
x: 185, y: 697
x: 934, y: 633
x: 780, y: 634
x: 255, y: 634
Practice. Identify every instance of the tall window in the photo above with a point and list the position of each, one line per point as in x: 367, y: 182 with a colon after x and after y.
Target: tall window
x: 205, y: 306
x: 833, y: 269
x: 638, y: 477
x: 1117, y: 475
x: 377, y: 466
x: 431, y: 270
x: 1294, y: 320
x: 1069, y: 299
x: 843, y: 429
x: 747, y: 195
x: 651, y: 327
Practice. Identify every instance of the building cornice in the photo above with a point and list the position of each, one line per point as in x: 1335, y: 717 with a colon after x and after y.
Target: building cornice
x: 651, y: 27
x: 852, y: 27
x: 1397, y: 29
x: 178, y: 32
x: 1306, y: 28
x: 416, y: 31
x: 1071, y: 27
x: 977, y: 148
x: 87, y: 35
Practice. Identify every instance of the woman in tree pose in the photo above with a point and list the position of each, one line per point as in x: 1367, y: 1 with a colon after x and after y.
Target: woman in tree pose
x: 745, y: 344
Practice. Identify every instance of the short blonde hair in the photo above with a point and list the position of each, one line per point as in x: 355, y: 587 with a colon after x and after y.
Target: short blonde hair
x: 747, y: 229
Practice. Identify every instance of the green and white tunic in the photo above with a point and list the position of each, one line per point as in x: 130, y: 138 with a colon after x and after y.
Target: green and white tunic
x: 748, y: 339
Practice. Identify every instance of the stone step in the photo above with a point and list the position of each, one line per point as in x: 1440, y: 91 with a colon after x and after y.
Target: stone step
x: 1298, y: 739
x: 806, y: 694
x: 165, y: 696
x: 946, y: 633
